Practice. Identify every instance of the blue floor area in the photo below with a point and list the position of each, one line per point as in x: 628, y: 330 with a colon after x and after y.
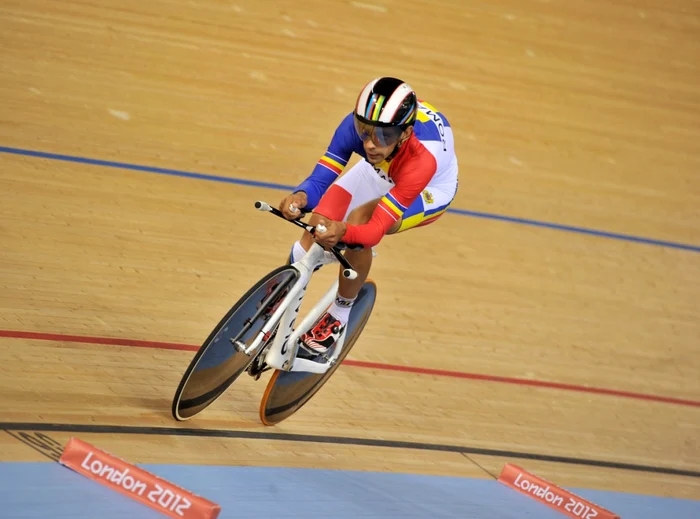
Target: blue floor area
x: 39, y: 490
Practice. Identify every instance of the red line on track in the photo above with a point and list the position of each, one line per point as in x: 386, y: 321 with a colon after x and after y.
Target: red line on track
x: 55, y: 337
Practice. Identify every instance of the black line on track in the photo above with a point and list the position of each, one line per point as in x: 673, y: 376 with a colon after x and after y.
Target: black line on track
x: 340, y: 440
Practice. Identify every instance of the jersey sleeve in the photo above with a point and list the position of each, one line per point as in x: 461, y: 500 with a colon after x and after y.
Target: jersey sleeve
x: 345, y: 141
x: 409, y: 185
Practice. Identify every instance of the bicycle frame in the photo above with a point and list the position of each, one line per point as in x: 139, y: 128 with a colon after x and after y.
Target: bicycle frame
x: 280, y: 355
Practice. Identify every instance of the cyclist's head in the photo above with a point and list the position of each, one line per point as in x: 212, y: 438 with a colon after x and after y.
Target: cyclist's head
x: 385, y: 110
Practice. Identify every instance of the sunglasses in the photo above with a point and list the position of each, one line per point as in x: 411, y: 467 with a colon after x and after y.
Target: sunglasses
x: 382, y: 136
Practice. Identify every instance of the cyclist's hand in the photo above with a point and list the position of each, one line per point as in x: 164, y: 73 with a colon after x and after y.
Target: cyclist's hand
x: 291, y: 206
x: 334, y: 233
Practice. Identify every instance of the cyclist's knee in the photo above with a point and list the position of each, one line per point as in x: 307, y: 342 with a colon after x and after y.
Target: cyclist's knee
x: 362, y: 214
x: 396, y: 227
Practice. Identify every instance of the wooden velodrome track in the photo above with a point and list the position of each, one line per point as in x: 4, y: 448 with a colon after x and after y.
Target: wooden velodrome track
x: 584, y: 114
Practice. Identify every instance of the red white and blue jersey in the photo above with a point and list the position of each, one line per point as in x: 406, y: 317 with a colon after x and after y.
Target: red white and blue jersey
x: 427, y: 157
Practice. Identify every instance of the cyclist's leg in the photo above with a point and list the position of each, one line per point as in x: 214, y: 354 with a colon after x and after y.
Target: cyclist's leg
x: 366, y: 189
x: 331, y: 324
x: 352, y: 197
x: 358, y: 186
x: 361, y: 259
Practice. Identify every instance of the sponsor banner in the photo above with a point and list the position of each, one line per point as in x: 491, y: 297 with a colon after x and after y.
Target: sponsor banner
x: 556, y: 497
x: 136, y: 483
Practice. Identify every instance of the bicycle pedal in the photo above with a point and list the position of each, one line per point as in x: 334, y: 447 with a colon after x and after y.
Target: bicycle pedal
x: 257, y: 373
x: 304, y: 352
x: 258, y: 366
x: 315, y: 356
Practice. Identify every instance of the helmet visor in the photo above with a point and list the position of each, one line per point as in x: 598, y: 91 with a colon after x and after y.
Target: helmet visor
x: 382, y: 136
